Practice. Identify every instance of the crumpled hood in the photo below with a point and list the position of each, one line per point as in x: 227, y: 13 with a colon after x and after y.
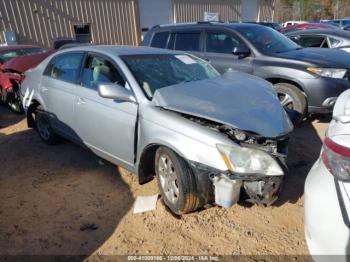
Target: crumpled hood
x: 235, y: 99
x: 325, y: 57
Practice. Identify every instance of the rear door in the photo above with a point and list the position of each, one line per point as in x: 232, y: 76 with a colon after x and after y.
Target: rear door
x: 189, y: 41
x: 218, y: 48
x: 58, y: 88
x: 106, y: 126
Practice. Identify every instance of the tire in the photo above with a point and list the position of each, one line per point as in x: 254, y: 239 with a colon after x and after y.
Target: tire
x: 293, y: 100
x: 176, y: 182
x: 43, y: 127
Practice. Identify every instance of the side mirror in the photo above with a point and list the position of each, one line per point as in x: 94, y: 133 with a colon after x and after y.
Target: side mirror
x: 241, y: 50
x: 117, y: 92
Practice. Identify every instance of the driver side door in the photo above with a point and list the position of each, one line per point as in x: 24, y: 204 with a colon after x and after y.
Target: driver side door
x: 218, y: 48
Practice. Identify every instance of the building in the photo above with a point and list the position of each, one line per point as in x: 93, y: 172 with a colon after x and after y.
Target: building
x: 115, y: 21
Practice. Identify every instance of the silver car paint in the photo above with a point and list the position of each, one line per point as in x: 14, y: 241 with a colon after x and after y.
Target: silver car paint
x: 156, y: 125
x: 222, y: 100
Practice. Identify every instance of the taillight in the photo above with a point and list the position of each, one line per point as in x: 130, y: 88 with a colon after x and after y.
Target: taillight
x: 336, y: 159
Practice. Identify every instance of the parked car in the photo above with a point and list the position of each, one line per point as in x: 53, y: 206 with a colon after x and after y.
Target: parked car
x: 327, y: 190
x: 288, y: 23
x: 306, y: 26
x: 59, y: 42
x: 275, y: 26
x: 343, y: 23
x: 164, y: 113
x: 307, y: 81
x: 14, y: 61
x: 339, y: 39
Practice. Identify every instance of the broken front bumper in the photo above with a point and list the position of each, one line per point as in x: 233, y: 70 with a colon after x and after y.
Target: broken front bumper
x: 260, y: 190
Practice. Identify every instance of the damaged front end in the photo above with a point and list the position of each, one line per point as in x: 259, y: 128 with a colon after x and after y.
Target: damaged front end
x: 246, y: 110
x: 255, y: 167
x: 11, y: 87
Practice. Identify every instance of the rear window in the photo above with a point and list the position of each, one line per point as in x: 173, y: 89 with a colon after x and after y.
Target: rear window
x: 160, y: 39
x: 187, y: 41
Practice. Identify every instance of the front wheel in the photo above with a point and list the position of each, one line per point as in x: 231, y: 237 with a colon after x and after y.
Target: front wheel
x: 176, y: 181
x: 293, y: 100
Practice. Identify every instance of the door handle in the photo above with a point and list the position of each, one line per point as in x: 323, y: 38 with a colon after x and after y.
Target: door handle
x: 81, y: 101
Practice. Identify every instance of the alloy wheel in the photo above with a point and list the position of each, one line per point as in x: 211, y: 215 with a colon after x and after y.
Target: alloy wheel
x: 168, y: 178
x: 286, y: 100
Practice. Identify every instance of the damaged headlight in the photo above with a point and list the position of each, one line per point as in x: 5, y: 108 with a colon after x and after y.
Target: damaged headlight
x: 244, y: 160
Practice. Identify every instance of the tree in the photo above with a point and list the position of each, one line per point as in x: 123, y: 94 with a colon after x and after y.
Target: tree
x: 327, y: 10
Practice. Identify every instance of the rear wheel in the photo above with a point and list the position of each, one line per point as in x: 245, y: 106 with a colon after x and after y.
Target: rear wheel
x: 176, y: 182
x: 43, y: 126
x: 293, y: 100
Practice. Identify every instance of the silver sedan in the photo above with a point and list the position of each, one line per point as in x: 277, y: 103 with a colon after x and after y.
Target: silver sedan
x: 167, y: 114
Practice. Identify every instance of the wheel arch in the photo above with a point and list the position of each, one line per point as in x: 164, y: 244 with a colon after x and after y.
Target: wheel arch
x: 145, y: 170
x: 34, y: 103
x: 277, y: 80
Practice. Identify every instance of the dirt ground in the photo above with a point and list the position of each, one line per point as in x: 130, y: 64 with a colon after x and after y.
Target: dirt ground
x: 47, y: 193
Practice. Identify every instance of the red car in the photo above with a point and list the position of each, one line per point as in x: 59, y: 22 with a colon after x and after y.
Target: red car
x: 306, y: 26
x: 14, y: 61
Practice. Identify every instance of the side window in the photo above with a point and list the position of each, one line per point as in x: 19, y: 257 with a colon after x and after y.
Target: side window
x: 171, y: 41
x: 224, y: 43
x: 311, y: 41
x: 98, y: 70
x: 65, y: 67
x: 188, y: 41
x: 160, y: 39
x: 334, y: 42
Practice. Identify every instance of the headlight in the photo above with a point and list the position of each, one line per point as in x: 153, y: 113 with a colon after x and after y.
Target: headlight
x: 244, y: 160
x: 328, y: 72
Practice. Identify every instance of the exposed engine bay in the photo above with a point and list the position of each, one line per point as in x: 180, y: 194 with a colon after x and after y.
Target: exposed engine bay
x: 260, y: 190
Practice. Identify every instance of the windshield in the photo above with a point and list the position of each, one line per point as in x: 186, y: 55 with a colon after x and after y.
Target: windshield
x: 156, y: 71
x: 267, y: 40
x: 9, y: 54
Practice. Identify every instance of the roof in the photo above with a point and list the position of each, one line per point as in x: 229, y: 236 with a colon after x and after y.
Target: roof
x: 122, y: 50
x: 15, y: 47
x: 214, y: 24
x: 338, y: 32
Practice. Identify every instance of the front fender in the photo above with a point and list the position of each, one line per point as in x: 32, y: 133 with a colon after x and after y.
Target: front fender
x: 187, y: 147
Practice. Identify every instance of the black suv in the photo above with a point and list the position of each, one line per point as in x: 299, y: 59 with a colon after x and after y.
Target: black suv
x: 306, y: 80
